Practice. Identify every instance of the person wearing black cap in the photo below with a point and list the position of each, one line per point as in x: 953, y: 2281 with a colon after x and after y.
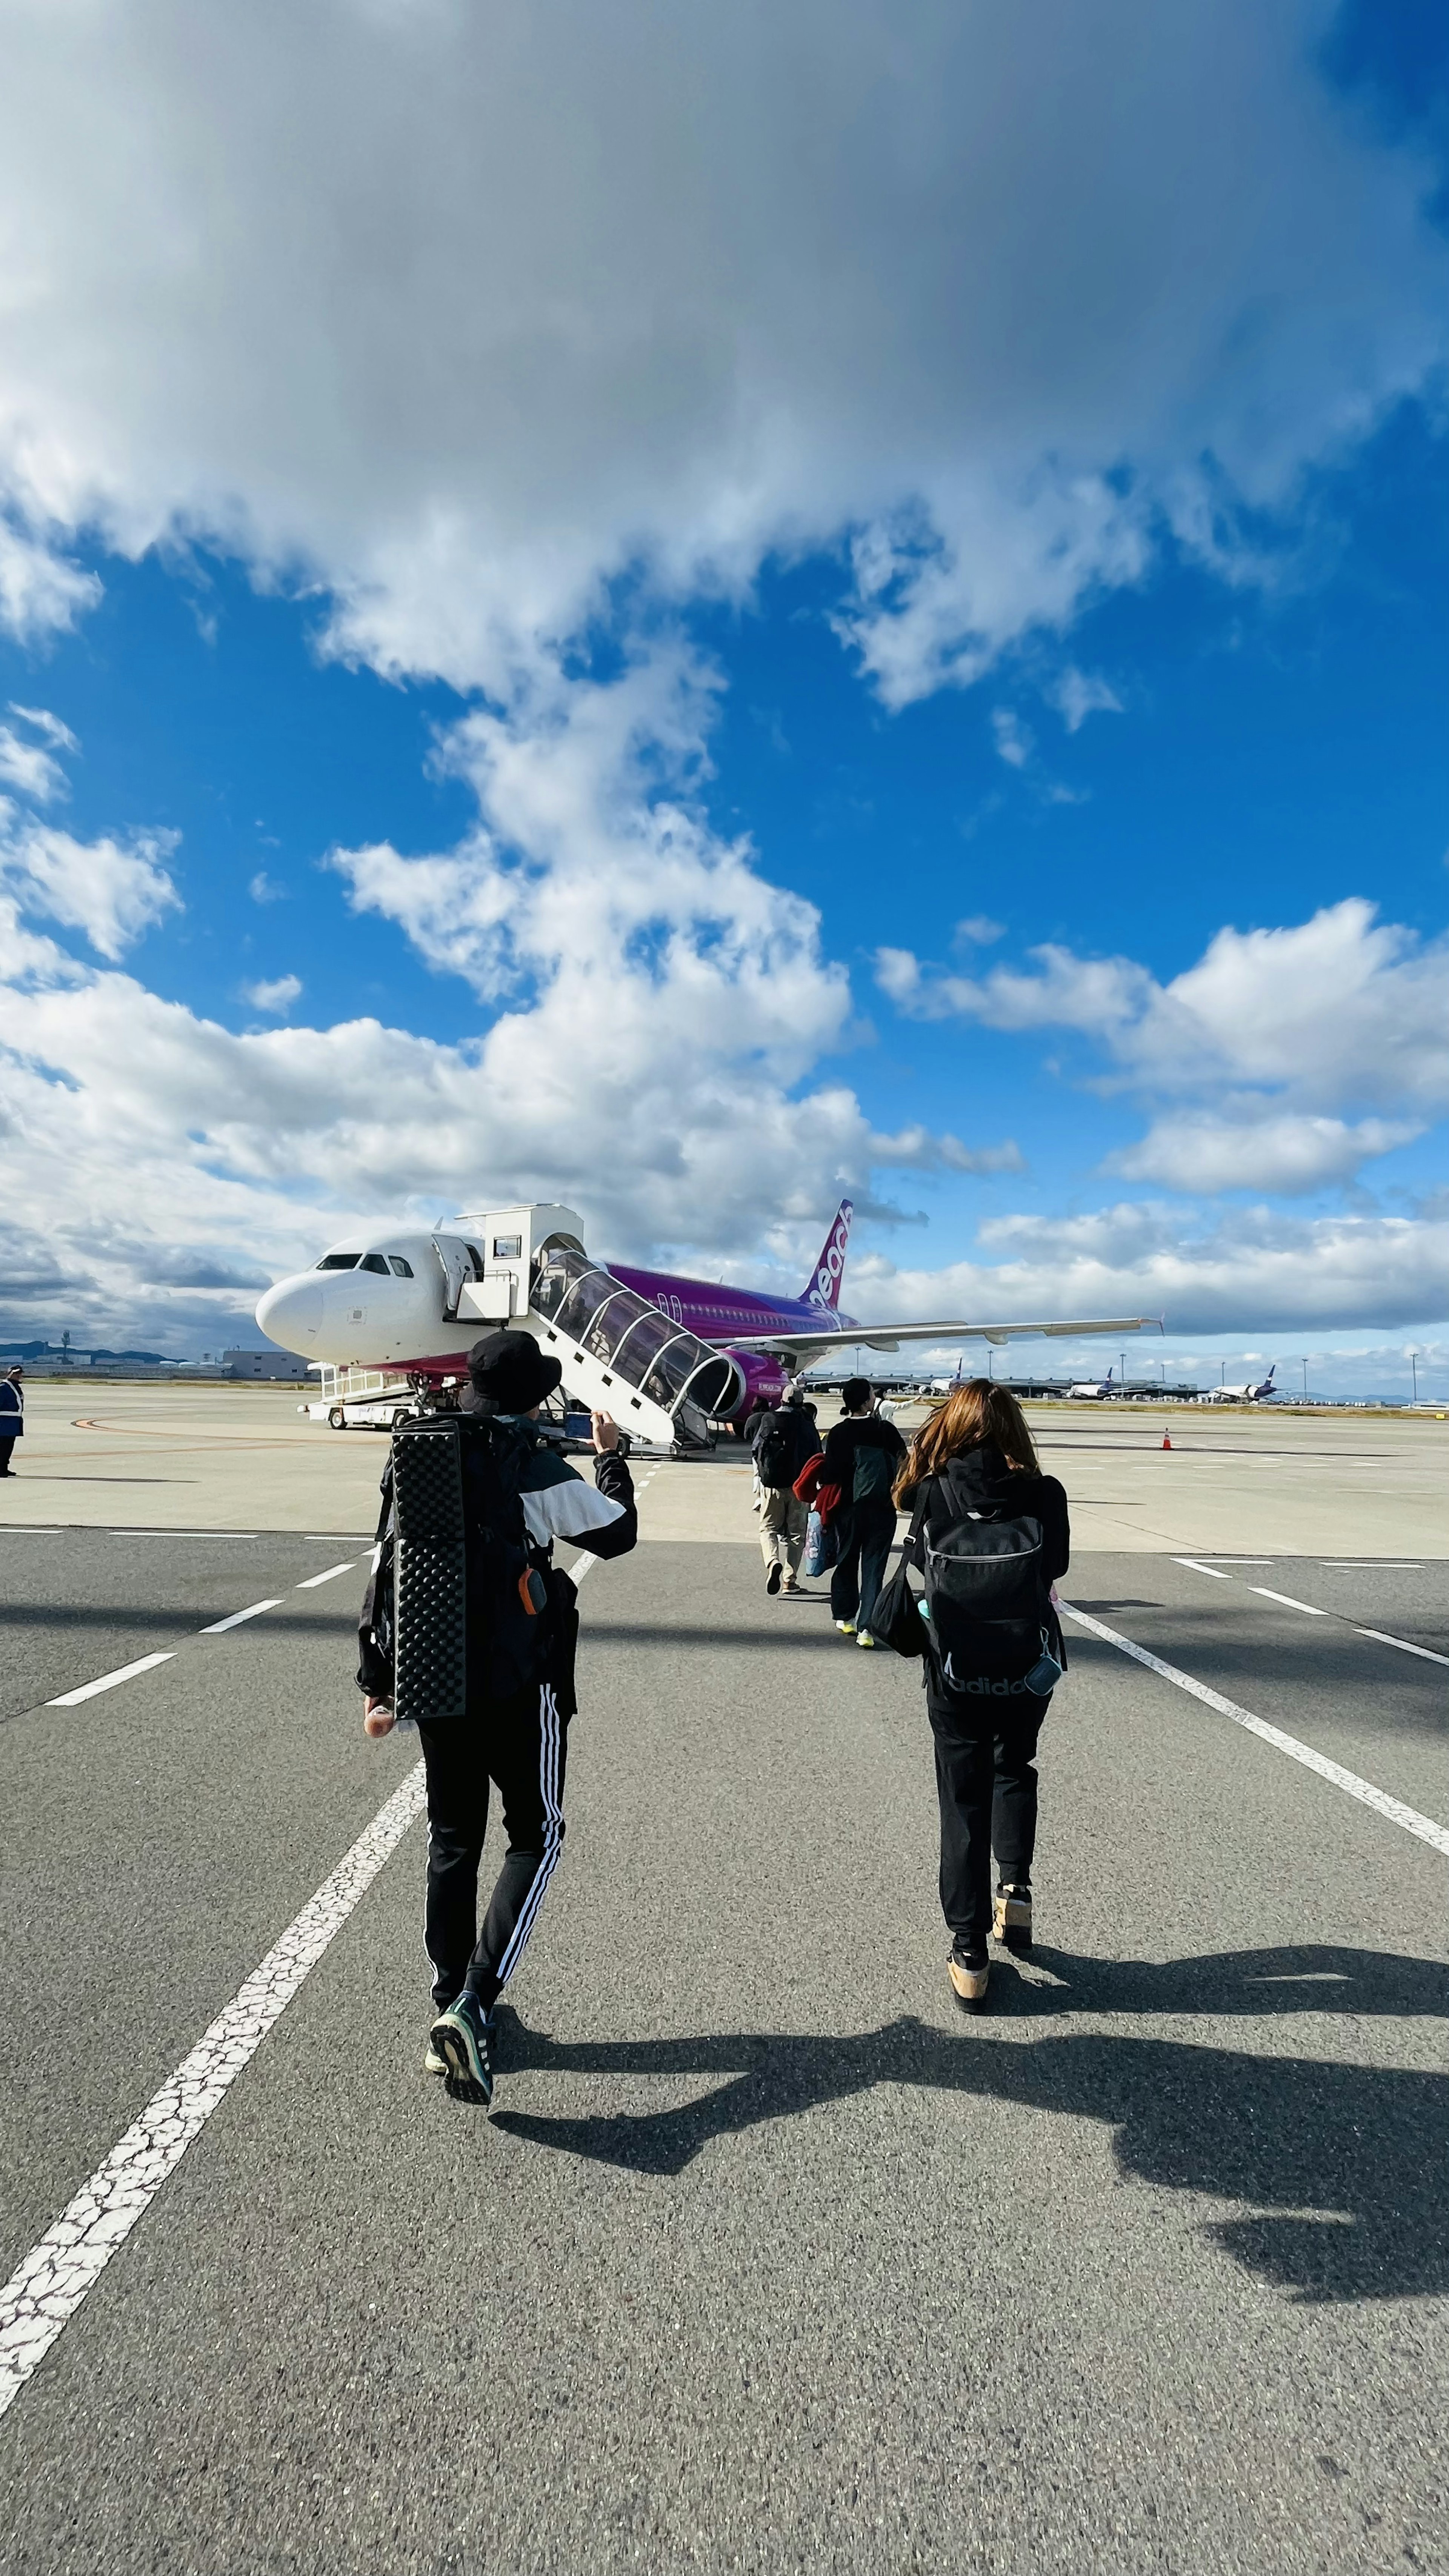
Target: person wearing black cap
x: 516, y: 1739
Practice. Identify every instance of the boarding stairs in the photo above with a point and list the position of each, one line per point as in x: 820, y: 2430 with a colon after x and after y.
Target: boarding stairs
x: 624, y: 1356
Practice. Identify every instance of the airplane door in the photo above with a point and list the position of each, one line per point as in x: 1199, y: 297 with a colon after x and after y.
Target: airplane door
x: 457, y: 1263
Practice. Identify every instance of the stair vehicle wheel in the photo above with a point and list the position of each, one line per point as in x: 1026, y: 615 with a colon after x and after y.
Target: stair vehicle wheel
x: 337, y: 1419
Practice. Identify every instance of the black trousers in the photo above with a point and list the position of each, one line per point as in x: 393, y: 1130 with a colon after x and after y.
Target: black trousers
x: 518, y: 1744
x: 986, y: 1784
x: 5, y: 1448
x: 866, y: 1532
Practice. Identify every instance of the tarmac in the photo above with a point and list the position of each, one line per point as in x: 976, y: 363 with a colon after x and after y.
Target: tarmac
x: 769, y: 2259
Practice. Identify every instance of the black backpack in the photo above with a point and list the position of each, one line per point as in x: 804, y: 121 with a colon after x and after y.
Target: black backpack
x: 989, y: 1604
x: 775, y: 1456
x: 478, y: 1612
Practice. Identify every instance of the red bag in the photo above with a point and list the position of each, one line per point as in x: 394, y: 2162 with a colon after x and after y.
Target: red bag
x: 808, y: 1489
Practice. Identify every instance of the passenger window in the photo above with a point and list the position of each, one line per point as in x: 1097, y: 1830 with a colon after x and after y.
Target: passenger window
x: 373, y: 1261
x: 507, y: 1247
x: 404, y: 1269
x: 338, y: 1261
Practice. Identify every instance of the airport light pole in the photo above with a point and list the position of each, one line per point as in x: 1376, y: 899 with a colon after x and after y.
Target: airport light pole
x: 1414, y: 1365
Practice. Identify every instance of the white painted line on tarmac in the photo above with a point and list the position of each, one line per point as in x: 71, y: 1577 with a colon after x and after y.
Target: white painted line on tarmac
x: 1372, y: 1564
x: 1403, y: 1645
x: 22, y: 1529
x: 45, y: 2290
x: 311, y: 1581
x: 219, y: 1627
x: 108, y: 1681
x: 1288, y: 1601
x: 1437, y: 1836
x: 1195, y: 1566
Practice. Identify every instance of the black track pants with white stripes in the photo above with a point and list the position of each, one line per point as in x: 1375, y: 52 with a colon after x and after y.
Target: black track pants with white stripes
x: 519, y: 1744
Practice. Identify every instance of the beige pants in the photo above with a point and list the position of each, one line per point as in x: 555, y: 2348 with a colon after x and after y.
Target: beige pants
x: 782, y: 1529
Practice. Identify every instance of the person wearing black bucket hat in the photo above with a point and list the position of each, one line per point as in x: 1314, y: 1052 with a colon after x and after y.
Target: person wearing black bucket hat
x: 508, y: 1373
x: 515, y: 1737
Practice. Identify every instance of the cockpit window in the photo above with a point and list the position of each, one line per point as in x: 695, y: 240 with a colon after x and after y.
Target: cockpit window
x: 338, y: 1261
x: 373, y: 1261
x: 403, y: 1269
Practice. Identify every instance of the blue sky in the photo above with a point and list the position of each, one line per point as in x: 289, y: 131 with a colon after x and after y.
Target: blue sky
x: 891, y: 639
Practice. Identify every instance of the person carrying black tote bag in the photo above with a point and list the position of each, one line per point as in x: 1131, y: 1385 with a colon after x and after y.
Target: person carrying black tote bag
x: 990, y: 1534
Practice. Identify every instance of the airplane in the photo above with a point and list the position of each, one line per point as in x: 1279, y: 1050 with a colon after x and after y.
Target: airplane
x: 1247, y: 1394
x: 1094, y: 1390
x: 413, y: 1300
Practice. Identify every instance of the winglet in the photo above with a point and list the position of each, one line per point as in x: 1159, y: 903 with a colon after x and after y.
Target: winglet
x: 823, y: 1287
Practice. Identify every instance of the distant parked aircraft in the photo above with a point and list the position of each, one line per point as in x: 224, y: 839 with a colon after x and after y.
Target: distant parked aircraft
x: 1094, y: 1390
x: 1246, y: 1394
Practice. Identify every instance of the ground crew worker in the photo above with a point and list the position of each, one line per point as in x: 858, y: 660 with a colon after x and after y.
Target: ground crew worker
x: 518, y: 1741
x: 12, y: 1415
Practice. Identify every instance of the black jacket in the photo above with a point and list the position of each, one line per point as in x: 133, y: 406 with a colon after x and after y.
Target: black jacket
x: 797, y: 1422
x: 982, y: 1476
x: 856, y: 1432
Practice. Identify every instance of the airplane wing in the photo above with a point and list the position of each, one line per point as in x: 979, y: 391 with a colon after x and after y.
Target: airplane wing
x: 889, y: 1337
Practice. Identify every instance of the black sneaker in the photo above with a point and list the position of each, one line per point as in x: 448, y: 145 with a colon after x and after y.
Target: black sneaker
x: 463, y: 2038
x: 775, y: 1577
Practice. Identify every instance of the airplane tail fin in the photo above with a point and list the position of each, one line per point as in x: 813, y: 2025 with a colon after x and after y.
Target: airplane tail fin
x: 823, y: 1286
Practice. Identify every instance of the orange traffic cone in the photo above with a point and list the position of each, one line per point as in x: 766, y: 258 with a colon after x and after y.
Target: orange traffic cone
x: 1167, y: 1440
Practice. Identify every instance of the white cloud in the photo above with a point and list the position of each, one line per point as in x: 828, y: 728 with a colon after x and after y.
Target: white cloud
x: 275, y: 998
x: 1078, y: 694
x: 771, y: 276
x: 1256, y: 1271
x: 111, y: 890
x: 1272, y: 1036
x: 915, y: 1149
x: 979, y: 930
x: 1013, y: 738
x: 594, y: 890
x: 28, y: 768
x: 264, y: 889
x: 1282, y: 1156
x: 48, y: 726
x: 898, y: 973
x: 1340, y: 1008
x: 40, y: 593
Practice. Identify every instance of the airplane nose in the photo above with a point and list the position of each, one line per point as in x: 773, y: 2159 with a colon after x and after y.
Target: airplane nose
x: 291, y: 1313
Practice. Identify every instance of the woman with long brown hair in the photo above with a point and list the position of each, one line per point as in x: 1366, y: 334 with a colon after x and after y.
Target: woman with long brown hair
x: 982, y: 1507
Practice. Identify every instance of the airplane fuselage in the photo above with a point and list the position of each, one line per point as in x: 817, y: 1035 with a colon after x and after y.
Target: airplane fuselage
x: 378, y: 1302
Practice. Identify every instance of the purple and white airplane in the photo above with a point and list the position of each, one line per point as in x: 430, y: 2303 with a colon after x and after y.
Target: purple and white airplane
x: 412, y: 1302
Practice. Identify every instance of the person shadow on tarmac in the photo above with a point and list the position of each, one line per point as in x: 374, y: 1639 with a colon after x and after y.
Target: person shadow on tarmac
x: 1291, y: 2138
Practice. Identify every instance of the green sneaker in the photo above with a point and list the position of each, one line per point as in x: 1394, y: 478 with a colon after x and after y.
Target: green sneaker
x: 462, y: 2038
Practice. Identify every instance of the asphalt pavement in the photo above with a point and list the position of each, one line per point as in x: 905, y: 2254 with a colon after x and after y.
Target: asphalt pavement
x: 769, y: 2259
